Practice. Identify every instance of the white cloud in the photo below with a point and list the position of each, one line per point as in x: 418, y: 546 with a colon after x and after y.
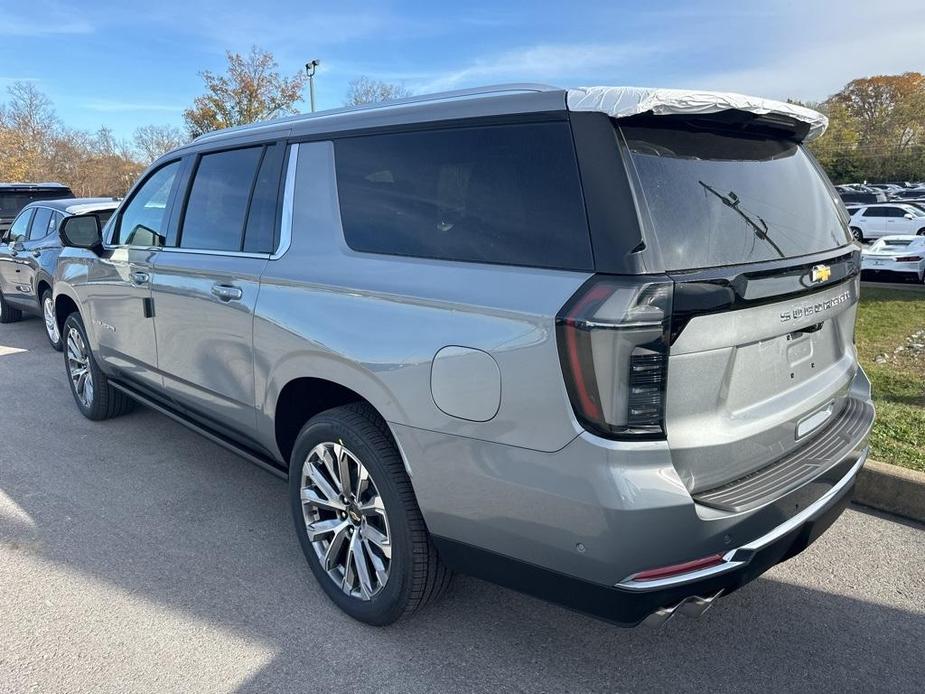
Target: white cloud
x: 543, y: 63
x: 43, y: 19
x: 818, y: 68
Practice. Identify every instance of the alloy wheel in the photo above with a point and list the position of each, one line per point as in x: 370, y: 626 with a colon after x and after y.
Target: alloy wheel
x: 51, y: 325
x: 78, y: 367
x: 346, y: 520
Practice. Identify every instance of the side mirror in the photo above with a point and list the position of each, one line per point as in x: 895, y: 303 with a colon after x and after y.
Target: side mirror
x: 82, y: 231
x: 909, y: 215
x: 17, y: 245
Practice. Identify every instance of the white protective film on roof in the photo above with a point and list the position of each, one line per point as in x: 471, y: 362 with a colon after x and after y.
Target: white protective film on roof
x: 620, y: 102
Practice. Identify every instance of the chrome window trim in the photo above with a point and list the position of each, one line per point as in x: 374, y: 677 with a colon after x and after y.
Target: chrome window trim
x: 285, y: 232
x: 206, y: 251
x: 285, y: 222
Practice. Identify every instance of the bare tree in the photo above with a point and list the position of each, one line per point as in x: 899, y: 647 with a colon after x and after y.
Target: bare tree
x: 364, y: 90
x: 31, y: 125
x: 30, y: 112
x: 251, y: 89
x: 35, y: 146
x: 152, y: 141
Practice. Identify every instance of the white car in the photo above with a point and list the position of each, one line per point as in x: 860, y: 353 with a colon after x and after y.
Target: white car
x: 896, y: 254
x: 874, y: 221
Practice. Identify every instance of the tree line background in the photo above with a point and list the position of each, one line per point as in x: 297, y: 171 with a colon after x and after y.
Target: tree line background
x: 876, y: 127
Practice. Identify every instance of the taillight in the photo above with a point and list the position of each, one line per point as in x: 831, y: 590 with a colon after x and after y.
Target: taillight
x: 613, y: 345
x: 909, y: 259
x: 676, y: 569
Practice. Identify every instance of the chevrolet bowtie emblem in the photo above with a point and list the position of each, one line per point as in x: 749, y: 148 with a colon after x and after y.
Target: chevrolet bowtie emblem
x: 821, y: 273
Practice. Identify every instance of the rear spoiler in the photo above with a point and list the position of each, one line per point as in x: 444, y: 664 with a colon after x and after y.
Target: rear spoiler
x: 798, y: 122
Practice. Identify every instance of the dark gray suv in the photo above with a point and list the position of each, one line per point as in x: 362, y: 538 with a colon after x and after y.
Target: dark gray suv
x: 595, y: 345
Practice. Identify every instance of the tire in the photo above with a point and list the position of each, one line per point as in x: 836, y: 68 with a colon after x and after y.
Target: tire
x: 920, y: 232
x: 7, y: 313
x: 414, y: 574
x: 857, y: 234
x: 51, y: 323
x: 102, y: 401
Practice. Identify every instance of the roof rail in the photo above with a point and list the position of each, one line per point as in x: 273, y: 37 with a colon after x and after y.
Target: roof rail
x: 495, y: 89
x: 31, y: 184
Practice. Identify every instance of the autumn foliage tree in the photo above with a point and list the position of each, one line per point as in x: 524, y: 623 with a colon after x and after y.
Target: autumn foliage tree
x: 876, y: 129
x: 36, y: 146
x: 251, y: 89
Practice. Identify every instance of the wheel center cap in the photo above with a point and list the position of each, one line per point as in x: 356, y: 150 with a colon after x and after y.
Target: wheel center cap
x: 354, y: 513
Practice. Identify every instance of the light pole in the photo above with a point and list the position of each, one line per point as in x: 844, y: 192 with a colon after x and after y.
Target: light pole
x: 310, y: 69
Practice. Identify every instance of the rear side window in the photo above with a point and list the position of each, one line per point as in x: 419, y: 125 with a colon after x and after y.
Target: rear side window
x: 218, y: 200
x: 497, y: 194
x: 261, y: 218
x: 876, y: 212
x: 40, y: 223
x: 720, y: 198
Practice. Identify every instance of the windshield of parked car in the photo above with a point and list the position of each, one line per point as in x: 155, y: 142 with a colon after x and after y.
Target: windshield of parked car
x: 720, y: 198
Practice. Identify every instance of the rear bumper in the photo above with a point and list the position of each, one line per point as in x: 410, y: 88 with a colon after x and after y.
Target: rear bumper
x: 631, y: 603
x: 576, y: 525
x: 897, y: 270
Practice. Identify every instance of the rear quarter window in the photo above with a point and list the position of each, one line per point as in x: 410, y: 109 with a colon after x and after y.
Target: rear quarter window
x: 505, y: 194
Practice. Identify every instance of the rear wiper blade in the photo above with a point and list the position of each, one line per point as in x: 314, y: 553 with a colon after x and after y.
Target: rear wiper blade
x: 732, y: 202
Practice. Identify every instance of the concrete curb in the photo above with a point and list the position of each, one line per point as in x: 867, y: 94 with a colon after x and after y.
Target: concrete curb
x: 892, y: 489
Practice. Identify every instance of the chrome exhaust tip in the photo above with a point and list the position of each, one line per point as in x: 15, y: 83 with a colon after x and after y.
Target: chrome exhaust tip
x: 693, y: 606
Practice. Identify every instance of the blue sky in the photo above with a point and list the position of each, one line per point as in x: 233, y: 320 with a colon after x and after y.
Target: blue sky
x: 123, y: 64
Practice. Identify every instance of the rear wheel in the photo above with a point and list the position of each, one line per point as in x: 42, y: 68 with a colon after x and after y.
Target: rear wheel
x: 357, y: 519
x: 92, y: 392
x: 8, y: 314
x: 51, y: 322
x: 857, y: 234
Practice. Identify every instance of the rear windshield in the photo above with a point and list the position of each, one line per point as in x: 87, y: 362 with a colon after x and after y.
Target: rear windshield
x: 719, y: 198
x: 892, y: 243
x: 12, y: 203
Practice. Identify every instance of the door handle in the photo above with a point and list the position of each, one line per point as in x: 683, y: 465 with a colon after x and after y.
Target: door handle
x: 226, y: 292
x: 140, y: 277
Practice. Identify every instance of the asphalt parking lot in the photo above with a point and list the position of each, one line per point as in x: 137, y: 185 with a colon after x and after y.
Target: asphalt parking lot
x: 138, y: 557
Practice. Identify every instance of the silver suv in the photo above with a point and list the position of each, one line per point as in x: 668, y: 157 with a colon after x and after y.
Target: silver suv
x: 599, y: 350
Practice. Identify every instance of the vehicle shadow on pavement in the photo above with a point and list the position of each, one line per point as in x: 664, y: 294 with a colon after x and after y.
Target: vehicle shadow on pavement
x: 149, y: 509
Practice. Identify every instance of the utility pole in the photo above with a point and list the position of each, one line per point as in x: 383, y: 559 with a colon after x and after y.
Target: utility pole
x: 310, y: 69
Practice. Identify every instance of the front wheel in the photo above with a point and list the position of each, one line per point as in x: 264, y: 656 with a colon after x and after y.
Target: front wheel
x: 94, y: 395
x: 921, y: 232
x: 51, y: 322
x: 7, y: 313
x: 357, y: 519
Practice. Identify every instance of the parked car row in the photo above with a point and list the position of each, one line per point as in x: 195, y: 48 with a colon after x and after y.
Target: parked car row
x: 541, y: 336
x: 881, y: 192
x: 869, y: 222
